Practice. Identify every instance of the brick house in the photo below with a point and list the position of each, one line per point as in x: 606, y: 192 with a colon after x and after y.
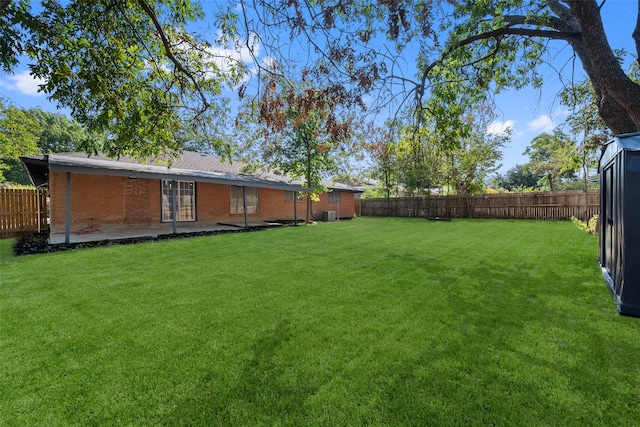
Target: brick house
x: 91, y: 196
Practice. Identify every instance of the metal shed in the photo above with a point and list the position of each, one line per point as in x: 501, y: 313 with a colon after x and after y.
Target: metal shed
x: 619, y: 249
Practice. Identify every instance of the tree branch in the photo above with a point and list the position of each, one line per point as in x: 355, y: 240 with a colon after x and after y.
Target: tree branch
x: 495, y: 34
x: 3, y: 5
x: 167, y: 47
x: 636, y: 32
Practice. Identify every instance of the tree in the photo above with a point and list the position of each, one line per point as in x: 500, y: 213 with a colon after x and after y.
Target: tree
x: 129, y: 70
x: 132, y: 69
x: 466, y: 50
x: 383, y: 149
x: 19, y: 134
x: 59, y: 134
x: 477, y: 156
x: 519, y: 178
x: 584, y: 119
x: 32, y: 131
x: 302, y: 133
x: 421, y: 158
x: 551, y: 155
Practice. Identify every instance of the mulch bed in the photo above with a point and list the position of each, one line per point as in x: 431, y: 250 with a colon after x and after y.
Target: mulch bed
x: 38, y: 243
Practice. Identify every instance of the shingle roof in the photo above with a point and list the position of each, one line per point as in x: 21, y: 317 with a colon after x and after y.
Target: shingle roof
x: 188, y: 166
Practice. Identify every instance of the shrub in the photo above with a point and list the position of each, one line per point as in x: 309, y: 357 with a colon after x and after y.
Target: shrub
x: 589, y: 226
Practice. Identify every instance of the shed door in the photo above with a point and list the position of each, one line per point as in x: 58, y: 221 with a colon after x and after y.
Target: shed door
x: 608, y: 219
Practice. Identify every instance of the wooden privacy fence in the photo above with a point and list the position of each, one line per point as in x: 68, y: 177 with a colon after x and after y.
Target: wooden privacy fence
x: 22, y: 211
x: 544, y: 205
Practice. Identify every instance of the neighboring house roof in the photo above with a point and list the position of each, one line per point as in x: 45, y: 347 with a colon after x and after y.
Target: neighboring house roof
x: 189, y: 166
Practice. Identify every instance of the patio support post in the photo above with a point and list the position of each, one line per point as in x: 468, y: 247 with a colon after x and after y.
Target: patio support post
x: 295, y: 208
x: 67, y: 211
x: 244, y: 205
x: 174, y: 207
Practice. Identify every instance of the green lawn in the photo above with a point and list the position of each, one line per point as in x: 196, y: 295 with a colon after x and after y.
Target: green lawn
x: 372, y: 321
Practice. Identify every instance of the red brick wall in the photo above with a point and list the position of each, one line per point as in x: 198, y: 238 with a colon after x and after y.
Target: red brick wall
x: 137, y: 201
x: 212, y: 202
x: 102, y: 199
x: 344, y: 209
x: 95, y: 199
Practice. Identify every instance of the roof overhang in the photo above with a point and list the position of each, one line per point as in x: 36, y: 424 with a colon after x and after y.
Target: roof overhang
x: 619, y: 143
x: 38, y: 165
x: 37, y: 169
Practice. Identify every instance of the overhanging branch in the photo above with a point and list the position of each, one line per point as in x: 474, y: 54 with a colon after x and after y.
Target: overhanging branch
x: 497, y: 35
x: 167, y: 47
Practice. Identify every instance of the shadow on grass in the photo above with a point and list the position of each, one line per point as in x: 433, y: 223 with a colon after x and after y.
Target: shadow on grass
x: 268, y: 389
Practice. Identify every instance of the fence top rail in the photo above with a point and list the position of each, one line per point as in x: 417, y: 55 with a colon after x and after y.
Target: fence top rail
x: 534, y: 194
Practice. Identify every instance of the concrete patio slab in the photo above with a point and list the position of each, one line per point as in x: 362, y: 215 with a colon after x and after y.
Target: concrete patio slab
x: 96, y: 233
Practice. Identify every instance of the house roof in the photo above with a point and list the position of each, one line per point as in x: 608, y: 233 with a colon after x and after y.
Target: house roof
x: 189, y: 166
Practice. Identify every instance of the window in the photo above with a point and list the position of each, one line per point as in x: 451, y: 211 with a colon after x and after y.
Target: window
x: 289, y: 196
x: 186, y: 200
x: 335, y: 196
x: 237, y: 205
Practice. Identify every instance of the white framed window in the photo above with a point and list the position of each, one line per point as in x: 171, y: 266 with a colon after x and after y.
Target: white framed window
x: 237, y: 205
x: 335, y: 196
x: 289, y: 196
x: 185, y: 200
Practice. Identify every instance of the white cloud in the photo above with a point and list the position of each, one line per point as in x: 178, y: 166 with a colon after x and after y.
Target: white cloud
x: 23, y: 82
x: 499, y: 127
x: 543, y: 123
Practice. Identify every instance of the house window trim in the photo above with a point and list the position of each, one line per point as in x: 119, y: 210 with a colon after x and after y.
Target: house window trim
x: 194, y: 209
x: 294, y: 196
x: 333, y: 194
x: 240, y: 208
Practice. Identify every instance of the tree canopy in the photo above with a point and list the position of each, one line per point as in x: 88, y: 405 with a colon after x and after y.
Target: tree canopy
x: 143, y: 73
x: 552, y: 155
x: 127, y: 69
x: 464, y: 51
x: 33, y: 131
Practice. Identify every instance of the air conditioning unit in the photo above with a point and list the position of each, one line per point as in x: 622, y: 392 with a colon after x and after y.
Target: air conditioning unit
x: 328, y: 215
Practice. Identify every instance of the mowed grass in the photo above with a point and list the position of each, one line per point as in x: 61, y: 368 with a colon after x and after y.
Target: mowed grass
x: 364, y: 322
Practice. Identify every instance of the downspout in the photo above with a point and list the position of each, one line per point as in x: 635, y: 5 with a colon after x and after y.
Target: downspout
x: 174, y: 206
x: 244, y: 205
x: 295, y: 208
x: 67, y: 221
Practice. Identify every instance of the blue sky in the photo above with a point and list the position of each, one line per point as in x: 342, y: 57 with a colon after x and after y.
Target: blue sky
x: 528, y: 112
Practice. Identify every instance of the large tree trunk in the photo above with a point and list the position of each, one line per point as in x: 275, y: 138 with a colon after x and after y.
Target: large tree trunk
x: 619, y: 96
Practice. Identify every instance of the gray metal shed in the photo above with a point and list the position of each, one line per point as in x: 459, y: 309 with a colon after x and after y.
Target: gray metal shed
x: 619, y: 249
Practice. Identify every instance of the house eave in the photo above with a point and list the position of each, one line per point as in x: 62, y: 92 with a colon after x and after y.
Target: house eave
x: 63, y: 163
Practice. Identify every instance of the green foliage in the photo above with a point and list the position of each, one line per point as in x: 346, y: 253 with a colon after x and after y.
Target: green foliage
x: 127, y: 70
x: 590, y: 226
x: 12, y: 13
x: 519, y: 178
x: 302, y: 136
x: 33, y: 131
x: 384, y: 149
x: 419, y: 160
x: 476, y: 156
x: 58, y: 134
x: 552, y: 155
x: 19, y: 135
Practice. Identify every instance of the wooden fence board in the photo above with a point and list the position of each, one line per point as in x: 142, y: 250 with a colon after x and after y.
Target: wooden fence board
x: 559, y: 205
x: 22, y: 211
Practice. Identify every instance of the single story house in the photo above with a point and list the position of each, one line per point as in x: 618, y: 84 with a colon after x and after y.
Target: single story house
x: 98, y: 198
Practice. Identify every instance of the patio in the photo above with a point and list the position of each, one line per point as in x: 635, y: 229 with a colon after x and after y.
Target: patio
x: 94, y: 232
